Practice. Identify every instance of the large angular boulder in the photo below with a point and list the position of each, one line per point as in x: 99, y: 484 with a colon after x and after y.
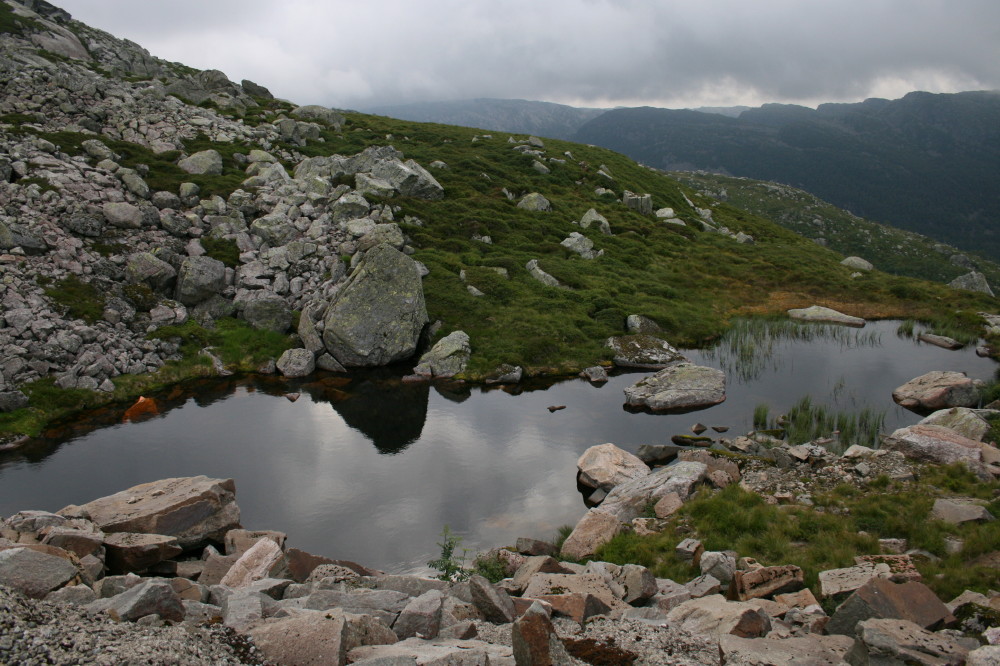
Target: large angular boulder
x: 267, y: 311
x: 962, y: 420
x: 933, y: 443
x: 643, y: 351
x: 316, y: 112
x: 199, y: 279
x: 813, y: 649
x: 891, y: 641
x: 938, y: 390
x: 534, y: 201
x: 194, y: 509
x: 714, y: 617
x: 318, y: 638
x: 253, y: 565
x: 128, y: 551
x: 377, y: 316
x: 680, y: 386
x: 534, y: 640
x: 145, y: 268
x: 604, y: 466
x: 595, y: 529
x: 627, y: 501
x: 296, y: 362
x: 857, y: 263
x: 827, y: 315
x: 148, y: 598
x: 409, y: 178
x: 34, y: 573
x: 973, y: 281
x: 447, y: 357
x: 880, y: 598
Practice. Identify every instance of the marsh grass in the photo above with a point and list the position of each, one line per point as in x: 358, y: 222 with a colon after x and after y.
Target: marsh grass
x: 806, y: 421
x: 751, y: 346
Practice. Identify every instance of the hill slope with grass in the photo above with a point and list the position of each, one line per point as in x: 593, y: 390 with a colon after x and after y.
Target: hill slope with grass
x: 106, y: 219
x: 925, y: 163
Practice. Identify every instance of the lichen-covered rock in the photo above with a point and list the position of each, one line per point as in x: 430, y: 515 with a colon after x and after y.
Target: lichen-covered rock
x: 535, y: 202
x: 680, y: 386
x: 377, y: 316
x: 642, y: 351
x: 937, y: 390
x: 296, y: 362
x: 206, y: 162
x: 972, y: 282
x: 199, y: 279
x: 447, y: 357
x: 146, y: 268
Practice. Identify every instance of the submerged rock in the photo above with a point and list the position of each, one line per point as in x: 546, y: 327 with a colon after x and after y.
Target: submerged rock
x: 681, y: 386
x: 938, y: 390
x: 377, y: 316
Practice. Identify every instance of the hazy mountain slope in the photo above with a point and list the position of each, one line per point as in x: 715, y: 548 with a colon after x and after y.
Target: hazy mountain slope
x: 890, y: 249
x: 927, y: 163
x: 545, y: 119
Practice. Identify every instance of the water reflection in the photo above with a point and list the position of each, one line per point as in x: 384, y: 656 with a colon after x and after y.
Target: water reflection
x: 367, y: 468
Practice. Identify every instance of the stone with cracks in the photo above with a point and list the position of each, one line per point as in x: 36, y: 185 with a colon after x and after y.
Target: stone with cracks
x: 148, y: 598
x: 594, y: 584
x: 297, y: 362
x: 129, y: 551
x: 447, y: 358
x: 377, y: 316
x: 643, y: 351
x: 891, y: 641
x: 604, y: 466
x: 881, y: 598
x: 205, y: 162
x: 34, y: 573
x: 420, y: 617
x: 194, y: 509
x: 494, y: 604
x: 766, y: 582
x: 935, y: 444
x: 848, y: 579
x: 937, y: 390
x: 318, y: 638
x: 829, y: 315
x: 534, y: 640
x: 253, y: 565
x: 964, y: 421
x: 681, y: 386
x: 440, y: 652
x: 714, y: 617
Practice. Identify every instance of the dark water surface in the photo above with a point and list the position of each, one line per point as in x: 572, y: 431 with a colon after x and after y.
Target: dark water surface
x: 370, y: 469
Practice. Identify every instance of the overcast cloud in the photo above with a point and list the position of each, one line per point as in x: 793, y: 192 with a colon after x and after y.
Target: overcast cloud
x: 356, y: 54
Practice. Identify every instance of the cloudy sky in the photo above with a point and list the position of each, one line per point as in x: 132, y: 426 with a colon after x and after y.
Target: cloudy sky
x: 357, y: 54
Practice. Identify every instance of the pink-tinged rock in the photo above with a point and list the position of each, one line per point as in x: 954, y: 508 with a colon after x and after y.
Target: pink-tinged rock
x: 588, y: 583
x: 534, y: 640
x: 937, y: 390
x: 880, y: 598
x: 848, y: 579
x: 962, y: 420
x: 935, y: 444
x: 34, y: 573
x: 629, y: 500
x: 824, y: 314
x: 901, y: 567
x: 668, y: 505
x: 193, y: 509
x: 765, y: 582
x: 577, y: 606
x: 812, y: 650
x: 893, y: 641
x: 253, y: 565
x: 714, y: 616
x: 801, y: 599
x: 128, y: 551
x: 605, y: 466
x: 680, y: 386
x: 240, y: 541
x: 957, y: 511
x: 318, y: 639
x: 595, y: 529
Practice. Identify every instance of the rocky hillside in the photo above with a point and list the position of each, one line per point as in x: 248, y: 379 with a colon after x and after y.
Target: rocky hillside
x: 160, y: 222
x: 887, y: 248
x: 924, y: 163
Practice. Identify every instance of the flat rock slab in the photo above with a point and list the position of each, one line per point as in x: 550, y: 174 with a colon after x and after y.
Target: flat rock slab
x: 452, y: 652
x: 827, y: 315
x: 193, y: 509
x: 942, y: 341
x: 128, y: 551
x: 890, y: 641
x: 962, y: 420
x: 595, y: 529
x: 848, y: 579
x: 714, y: 617
x: 34, y: 573
x: 958, y: 511
x: 937, y: 389
x: 814, y: 650
x: 318, y: 638
x: 681, y: 386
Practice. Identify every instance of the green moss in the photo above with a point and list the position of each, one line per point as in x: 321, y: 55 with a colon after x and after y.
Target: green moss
x: 222, y: 249
x: 81, y: 299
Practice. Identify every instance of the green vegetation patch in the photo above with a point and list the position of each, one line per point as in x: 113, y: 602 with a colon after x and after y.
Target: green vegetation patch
x: 82, y: 300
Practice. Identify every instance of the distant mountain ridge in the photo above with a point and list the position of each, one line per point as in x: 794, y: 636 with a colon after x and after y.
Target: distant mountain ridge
x: 556, y: 121
x: 927, y: 162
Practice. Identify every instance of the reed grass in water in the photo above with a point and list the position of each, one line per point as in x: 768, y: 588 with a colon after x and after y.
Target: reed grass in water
x: 806, y: 422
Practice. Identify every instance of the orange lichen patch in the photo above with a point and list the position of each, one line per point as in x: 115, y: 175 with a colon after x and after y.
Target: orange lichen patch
x: 143, y: 408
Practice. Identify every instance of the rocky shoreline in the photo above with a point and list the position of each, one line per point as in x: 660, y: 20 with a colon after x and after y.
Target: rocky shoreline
x: 167, y: 567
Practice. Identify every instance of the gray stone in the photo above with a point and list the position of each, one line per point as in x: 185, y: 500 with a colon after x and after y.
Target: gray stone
x: 595, y: 374
x: 680, y: 386
x: 714, y: 617
x: 420, y: 617
x: 933, y: 443
x: 146, y: 268
x: 958, y: 511
x: 819, y: 313
x: 447, y: 358
x: 440, y: 652
x: 718, y: 564
x: 703, y: 586
x: 536, y: 272
x: 643, y: 351
x: 583, y: 246
x: 268, y: 312
x: 377, y: 316
x: 892, y: 642
x: 297, y: 362
x: 318, y: 638
x: 34, y: 573
x: 940, y: 341
x: 972, y: 282
x: 857, y: 263
x: 199, y: 279
x: 206, y: 162
x: 813, y: 650
x: 494, y: 604
x: 123, y: 215
x: 640, y: 203
x: 77, y: 595
x: 593, y: 217
x: 964, y: 421
x: 321, y: 113
x: 12, y: 400
x: 628, y: 500
x: 534, y: 202
x: 154, y: 596
x: 639, y: 324
x: 881, y: 598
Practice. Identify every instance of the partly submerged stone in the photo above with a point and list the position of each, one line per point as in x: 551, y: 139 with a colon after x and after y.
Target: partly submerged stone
x: 938, y: 390
x: 680, y: 386
x: 829, y: 315
x: 605, y: 466
x: 377, y: 316
x: 642, y: 351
